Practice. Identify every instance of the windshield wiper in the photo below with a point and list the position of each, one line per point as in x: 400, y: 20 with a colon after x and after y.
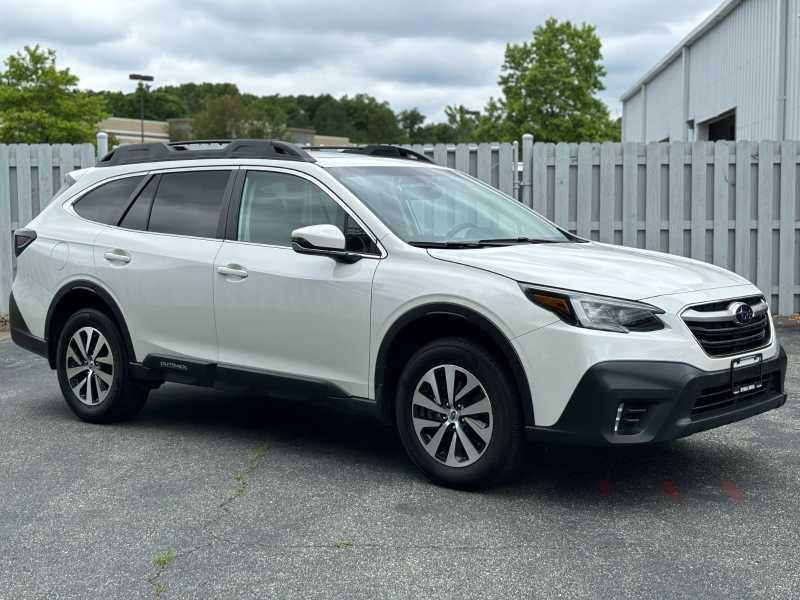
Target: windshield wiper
x: 517, y: 240
x: 451, y: 245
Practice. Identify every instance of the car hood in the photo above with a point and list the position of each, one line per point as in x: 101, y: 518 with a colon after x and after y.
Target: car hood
x: 595, y: 268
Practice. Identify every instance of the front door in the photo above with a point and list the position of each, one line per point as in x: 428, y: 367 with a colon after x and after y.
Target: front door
x: 293, y: 315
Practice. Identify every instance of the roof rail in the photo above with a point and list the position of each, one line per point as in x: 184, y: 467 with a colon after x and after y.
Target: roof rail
x: 160, y: 151
x: 383, y: 150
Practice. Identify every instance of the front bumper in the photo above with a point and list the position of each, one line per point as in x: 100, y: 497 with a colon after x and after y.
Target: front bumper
x: 669, y: 399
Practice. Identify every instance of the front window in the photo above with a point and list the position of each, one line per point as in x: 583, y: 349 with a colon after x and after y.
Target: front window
x: 275, y: 204
x: 428, y: 206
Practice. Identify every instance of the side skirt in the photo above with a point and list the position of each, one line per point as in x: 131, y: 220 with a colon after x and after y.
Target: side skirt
x: 156, y: 369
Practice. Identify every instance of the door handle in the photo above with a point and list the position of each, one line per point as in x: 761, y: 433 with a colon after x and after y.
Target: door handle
x: 232, y: 271
x: 117, y: 256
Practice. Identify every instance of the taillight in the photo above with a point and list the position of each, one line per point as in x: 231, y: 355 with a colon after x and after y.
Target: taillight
x: 22, y: 239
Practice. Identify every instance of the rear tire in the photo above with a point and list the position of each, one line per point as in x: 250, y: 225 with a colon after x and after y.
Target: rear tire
x: 457, y: 415
x: 92, y: 365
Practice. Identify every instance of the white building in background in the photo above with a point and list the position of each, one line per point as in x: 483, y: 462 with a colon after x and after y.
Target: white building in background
x: 735, y: 77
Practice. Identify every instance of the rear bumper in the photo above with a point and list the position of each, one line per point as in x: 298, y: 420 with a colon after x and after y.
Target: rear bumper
x: 671, y: 400
x: 20, y: 333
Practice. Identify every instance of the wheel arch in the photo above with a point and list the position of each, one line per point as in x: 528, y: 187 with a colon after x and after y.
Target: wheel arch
x: 425, y: 323
x: 74, y: 296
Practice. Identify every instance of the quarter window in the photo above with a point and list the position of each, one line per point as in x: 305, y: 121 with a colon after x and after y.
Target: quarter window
x: 275, y: 204
x: 189, y: 203
x: 105, y: 204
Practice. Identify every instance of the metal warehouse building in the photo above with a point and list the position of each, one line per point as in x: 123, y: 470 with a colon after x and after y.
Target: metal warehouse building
x: 735, y: 77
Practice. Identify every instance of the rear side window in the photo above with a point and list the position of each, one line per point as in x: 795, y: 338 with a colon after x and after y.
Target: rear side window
x: 189, y: 203
x: 136, y: 217
x: 105, y: 204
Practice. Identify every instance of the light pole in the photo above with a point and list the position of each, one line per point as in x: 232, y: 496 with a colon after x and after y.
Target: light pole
x: 140, y: 79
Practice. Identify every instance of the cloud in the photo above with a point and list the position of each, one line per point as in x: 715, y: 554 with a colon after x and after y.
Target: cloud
x: 420, y: 53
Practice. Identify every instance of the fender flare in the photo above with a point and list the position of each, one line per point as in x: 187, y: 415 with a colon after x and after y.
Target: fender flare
x: 481, y: 322
x: 104, y: 296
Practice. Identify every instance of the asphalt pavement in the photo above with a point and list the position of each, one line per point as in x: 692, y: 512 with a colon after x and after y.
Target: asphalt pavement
x: 212, y: 495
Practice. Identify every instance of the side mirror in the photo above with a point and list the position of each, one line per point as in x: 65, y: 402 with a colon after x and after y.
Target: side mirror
x: 322, y: 240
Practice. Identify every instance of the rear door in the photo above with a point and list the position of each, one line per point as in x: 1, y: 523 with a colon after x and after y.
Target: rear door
x: 159, y: 262
x: 296, y: 316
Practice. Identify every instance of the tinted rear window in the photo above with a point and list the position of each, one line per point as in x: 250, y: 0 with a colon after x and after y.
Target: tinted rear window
x: 189, y: 203
x: 105, y: 204
x: 136, y: 217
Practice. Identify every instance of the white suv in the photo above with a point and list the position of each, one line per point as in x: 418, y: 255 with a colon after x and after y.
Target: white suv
x: 374, y: 278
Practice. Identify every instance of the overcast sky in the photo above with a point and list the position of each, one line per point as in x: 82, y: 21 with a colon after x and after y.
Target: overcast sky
x: 427, y: 53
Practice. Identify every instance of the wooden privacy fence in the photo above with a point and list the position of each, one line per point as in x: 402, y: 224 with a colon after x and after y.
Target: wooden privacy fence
x: 492, y: 163
x: 29, y: 177
x: 733, y: 204
x: 736, y: 205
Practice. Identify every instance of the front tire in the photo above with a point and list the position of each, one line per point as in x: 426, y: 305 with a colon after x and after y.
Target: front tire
x: 92, y: 365
x: 457, y: 415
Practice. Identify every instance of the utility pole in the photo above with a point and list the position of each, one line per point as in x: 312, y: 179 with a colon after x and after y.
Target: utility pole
x: 141, y: 79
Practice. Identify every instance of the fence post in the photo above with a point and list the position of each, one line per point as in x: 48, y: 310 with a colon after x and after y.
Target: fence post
x: 515, y: 169
x: 102, y: 144
x: 527, y: 168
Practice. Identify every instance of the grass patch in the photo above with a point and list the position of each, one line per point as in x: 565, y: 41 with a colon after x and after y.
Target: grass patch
x: 239, y: 484
x: 240, y: 477
x: 164, y: 558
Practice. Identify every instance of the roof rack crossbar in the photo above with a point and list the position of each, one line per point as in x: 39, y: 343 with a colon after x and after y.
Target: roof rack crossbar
x: 383, y: 150
x: 160, y: 151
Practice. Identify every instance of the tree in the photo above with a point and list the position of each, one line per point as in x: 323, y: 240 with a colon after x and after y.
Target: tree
x: 267, y: 121
x: 490, y: 124
x: 437, y: 133
x: 371, y: 121
x: 195, y: 95
x: 40, y: 104
x: 464, y: 122
x: 411, y: 121
x: 159, y: 104
x: 330, y: 117
x: 222, y: 117
x: 230, y: 117
x: 549, y: 86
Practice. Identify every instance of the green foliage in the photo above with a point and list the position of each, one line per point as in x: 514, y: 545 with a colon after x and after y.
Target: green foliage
x: 195, y: 95
x: 411, y: 122
x: 159, y: 104
x: 229, y: 117
x: 219, y: 110
x: 163, y: 559
x: 550, y: 84
x: 343, y: 544
x: 40, y: 104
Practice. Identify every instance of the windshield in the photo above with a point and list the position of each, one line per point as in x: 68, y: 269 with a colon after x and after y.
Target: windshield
x: 429, y: 206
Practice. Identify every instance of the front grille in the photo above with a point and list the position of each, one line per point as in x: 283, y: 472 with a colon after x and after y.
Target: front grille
x: 721, y: 331
x: 721, y: 397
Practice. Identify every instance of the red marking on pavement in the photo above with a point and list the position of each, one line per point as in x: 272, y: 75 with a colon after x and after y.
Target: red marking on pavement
x: 671, y: 490
x: 733, y: 492
x: 606, y: 488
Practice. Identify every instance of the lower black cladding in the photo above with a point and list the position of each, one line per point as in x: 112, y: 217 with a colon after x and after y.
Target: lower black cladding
x: 675, y: 396
x: 156, y: 369
x: 20, y: 334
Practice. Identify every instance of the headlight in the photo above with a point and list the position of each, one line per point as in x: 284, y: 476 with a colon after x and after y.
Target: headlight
x: 595, y: 312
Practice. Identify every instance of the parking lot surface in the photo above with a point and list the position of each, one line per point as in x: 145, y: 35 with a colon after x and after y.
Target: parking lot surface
x: 212, y: 495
